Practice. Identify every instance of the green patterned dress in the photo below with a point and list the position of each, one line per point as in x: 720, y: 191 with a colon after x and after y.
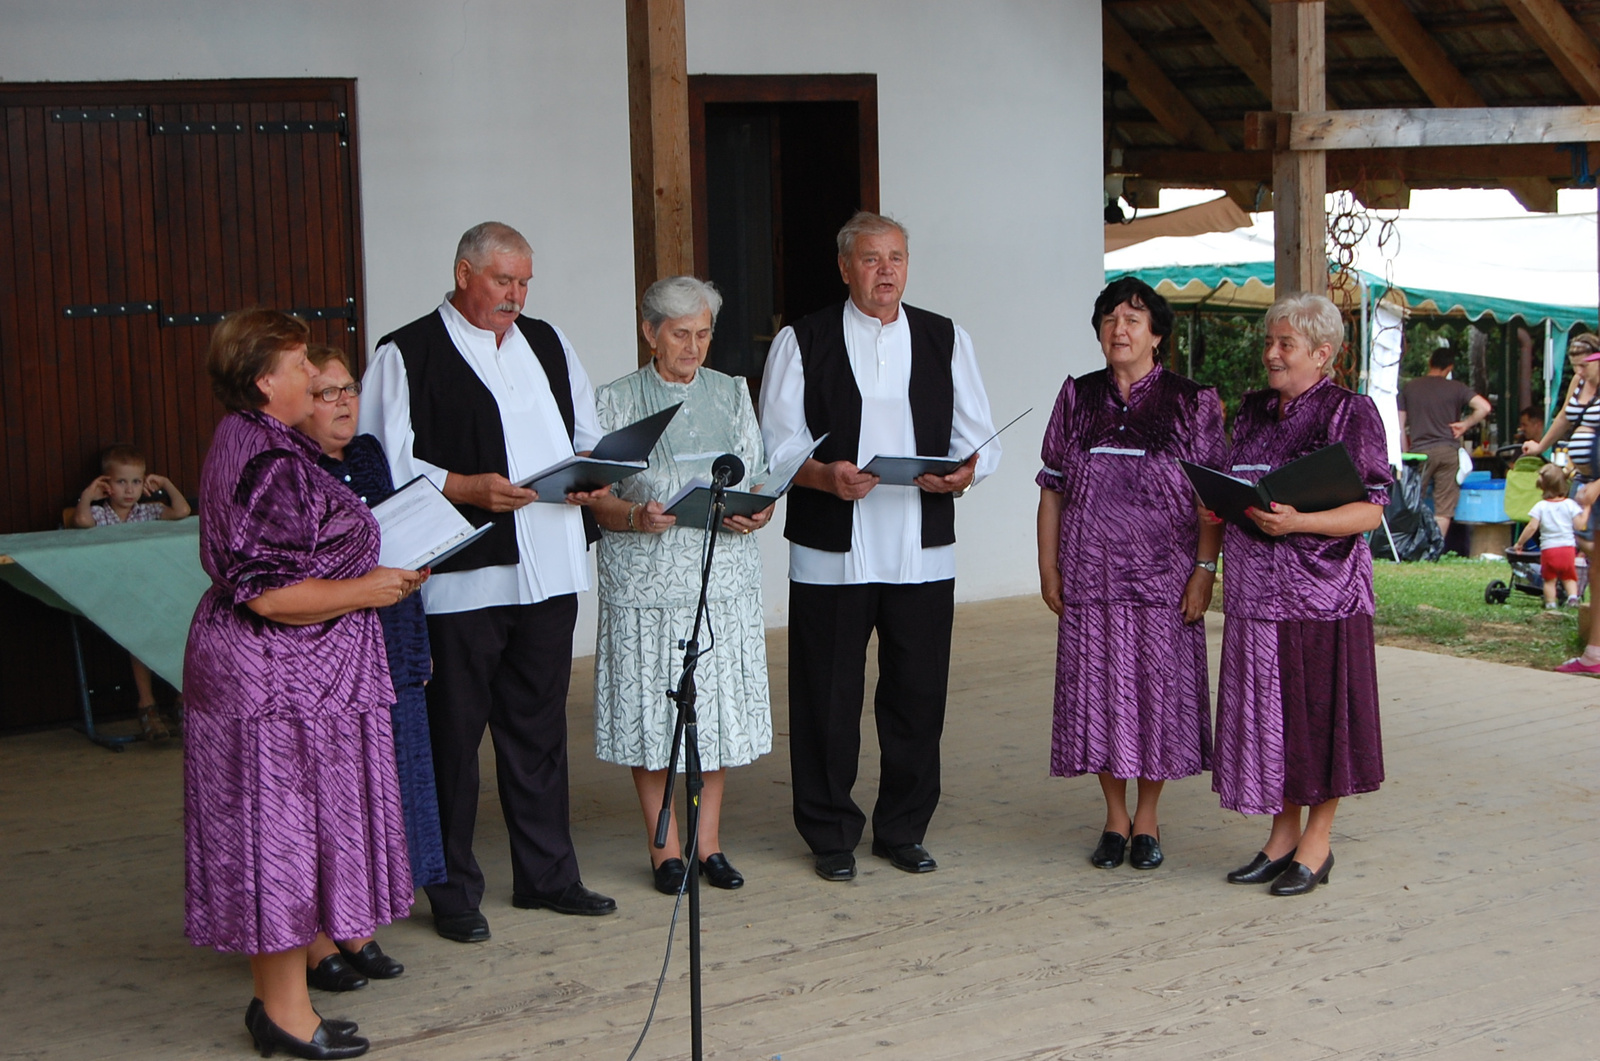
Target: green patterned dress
x: 649, y: 584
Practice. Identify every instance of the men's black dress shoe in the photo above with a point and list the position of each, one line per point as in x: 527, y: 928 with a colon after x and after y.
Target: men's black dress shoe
x: 1300, y: 878
x: 333, y: 974
x: 913, y: 858
x: 670, y: 876
x: 1260, y: 869
x: 719, y: 872
x: 371, y: 961
x: 1146, y: 852
x: 323, y: 1045
x: 573, y: 899
x: 345, y: 1028
x: 469, y: 926
x: 836, y: 865
x: 1108, y: 853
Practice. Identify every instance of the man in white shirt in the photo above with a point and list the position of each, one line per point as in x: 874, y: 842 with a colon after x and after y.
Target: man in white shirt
x: 477, y: 397
x: 876, y: 377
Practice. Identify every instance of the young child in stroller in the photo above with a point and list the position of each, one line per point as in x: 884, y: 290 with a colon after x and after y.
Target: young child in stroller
x: 1553, y: 519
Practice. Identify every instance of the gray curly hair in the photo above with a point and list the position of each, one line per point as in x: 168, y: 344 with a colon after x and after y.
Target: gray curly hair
x: 483, y: 241
x: 1316, y: 318
x: 679, y: 296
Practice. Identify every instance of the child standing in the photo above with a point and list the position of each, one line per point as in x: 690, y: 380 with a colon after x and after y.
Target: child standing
x: 1552, y: 518
x: 115, y: 498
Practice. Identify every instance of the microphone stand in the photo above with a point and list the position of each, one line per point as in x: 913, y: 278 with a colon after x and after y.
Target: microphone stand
x: 685, y: 734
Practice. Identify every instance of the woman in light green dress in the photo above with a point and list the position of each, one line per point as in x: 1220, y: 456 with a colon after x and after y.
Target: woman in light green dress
x: 649, y: 571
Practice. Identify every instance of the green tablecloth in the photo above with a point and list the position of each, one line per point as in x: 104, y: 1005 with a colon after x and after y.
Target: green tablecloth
x: 139, y: 582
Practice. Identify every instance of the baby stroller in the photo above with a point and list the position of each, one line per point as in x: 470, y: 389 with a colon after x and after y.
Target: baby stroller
x: 1522, y: 493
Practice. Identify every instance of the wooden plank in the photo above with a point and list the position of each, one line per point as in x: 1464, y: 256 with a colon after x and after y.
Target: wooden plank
x: 658, y: 121
x: 1299, y: 177
x: 1572, y: 50
x: 1463, y: 166
x: 1318, y: 130
x: 1242, y: 35
x: 1152, y: 88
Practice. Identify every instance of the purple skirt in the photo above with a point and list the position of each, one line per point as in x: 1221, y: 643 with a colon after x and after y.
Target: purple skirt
x: 1131, y: 696
x: 292, y: 826
x: 1297, y: 713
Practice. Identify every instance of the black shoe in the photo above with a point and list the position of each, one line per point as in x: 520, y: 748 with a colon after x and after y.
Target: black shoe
x: 332, y: 974
x: 324, y: 1042
x: 573, y: 899
x: 1299, y: 878
x: 469, y: 926
x: 1261, y: 869
x: 913, y: 858
x: 1108, y: 853
x: 836, y: 865
x: 719, y: 872
x: 371, y: 961
x: 1146, y: 852
x: 344, y: 1028
x: 670, y: 876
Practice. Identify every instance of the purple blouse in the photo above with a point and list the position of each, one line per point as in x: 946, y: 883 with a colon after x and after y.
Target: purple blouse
x: 269, y: 518
x: 1303, y: 576
x: 1128, y: 525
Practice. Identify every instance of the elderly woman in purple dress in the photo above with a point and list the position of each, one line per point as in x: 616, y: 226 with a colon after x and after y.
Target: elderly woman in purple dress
x: 293, y: 823
x: 1297, y: 701
x: 1128, y: 564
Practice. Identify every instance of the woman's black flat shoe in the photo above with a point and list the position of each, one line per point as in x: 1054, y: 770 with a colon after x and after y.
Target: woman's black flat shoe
x: 1260, y: 869
x: 332, y: 974
x: 371, y: 961
x: 1146, y: 852
x: 345, y: 1028
x: 1108, y: 854
x: 1300, y: 878
x: 719, y: 872
x: 670, y: 875
x: 323, y: 1044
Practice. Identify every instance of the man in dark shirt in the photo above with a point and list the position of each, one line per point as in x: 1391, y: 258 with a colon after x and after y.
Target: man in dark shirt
x: 1431, y: 423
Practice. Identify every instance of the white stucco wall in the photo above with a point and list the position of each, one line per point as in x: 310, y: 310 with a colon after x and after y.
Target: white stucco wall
x: 989, y: 124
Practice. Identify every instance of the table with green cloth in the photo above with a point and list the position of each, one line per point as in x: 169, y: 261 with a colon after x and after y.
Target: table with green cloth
x: 139, y: 582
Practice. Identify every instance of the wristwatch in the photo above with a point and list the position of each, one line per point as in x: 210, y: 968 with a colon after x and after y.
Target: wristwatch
x: 1206, y: 565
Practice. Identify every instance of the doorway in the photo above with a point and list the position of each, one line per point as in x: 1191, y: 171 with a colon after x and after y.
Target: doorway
x: 778, y: 164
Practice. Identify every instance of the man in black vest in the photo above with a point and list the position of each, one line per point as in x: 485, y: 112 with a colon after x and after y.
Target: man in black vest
x: 476, y: 396
x: 876, y: 377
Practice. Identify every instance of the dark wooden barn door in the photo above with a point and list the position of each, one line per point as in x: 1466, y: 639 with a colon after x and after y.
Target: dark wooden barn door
x: 132, y: 216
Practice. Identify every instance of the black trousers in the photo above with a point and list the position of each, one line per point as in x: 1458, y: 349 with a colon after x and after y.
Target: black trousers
x: 829, y: 627
x: 506, y: 668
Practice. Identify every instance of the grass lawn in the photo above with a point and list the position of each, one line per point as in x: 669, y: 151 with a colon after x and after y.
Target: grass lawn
x: 1440, y: 608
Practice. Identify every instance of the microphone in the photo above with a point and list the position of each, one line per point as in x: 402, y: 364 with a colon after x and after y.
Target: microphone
x: 727, y: 470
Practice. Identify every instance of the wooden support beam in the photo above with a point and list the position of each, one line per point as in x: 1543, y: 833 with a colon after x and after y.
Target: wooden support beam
x: 1242, y: 35
x: 1478, y: 166
x: 1299, y: 178
x: 1437, y: 76
x: 1442, y: 127
x: 658, y: 124
x: 1572, y: 50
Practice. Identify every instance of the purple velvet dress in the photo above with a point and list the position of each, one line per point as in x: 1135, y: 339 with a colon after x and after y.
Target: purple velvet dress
x: 1297, y: 699
x: 293, y: 822
x: 1131, y: 693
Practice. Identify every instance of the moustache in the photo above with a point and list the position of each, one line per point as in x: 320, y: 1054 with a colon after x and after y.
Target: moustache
x: 508, y: 307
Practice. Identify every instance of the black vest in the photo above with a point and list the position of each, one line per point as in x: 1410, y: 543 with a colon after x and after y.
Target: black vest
x: 455, y: 422
x: 818, y: 519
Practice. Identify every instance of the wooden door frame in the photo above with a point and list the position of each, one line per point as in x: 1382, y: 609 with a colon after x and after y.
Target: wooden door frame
x: 860, y: 89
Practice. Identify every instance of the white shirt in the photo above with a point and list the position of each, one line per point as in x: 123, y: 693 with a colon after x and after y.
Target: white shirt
x: 1555, y: 522
x: 886, y: 531
x: 549, y: 536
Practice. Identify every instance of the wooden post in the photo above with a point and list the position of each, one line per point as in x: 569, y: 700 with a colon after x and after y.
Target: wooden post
x: 658, y: 123
x: 1299, y: 178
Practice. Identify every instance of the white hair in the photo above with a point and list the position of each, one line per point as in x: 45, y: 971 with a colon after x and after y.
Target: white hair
x: 679, y: 296
x: 483, y: 241
x: 865, y: 223
x: 1314, y: 317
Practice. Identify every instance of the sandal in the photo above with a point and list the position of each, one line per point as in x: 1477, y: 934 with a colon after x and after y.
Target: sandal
x: 155, y: 730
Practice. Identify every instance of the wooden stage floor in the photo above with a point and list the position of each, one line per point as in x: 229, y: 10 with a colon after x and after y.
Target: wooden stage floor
x: 1460, y: 922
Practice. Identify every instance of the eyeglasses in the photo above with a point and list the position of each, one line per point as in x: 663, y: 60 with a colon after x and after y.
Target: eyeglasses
x: 331, y: 394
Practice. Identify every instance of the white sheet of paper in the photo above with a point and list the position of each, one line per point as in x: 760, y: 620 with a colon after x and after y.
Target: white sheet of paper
x: 419, y: 526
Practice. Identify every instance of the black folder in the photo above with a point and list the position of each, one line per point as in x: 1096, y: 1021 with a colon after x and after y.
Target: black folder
x: 904, y: 471
x: 622, y: 453
x: 1317, y: 482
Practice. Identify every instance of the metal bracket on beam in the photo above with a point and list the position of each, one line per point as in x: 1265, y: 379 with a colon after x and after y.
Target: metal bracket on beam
x: 179, y: 128
x: 100, y: 114
x: 109, y: 309
x: 335, y: 126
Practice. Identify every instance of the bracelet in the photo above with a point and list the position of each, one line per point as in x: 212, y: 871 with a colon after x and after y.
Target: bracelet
x: 632, y: 512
